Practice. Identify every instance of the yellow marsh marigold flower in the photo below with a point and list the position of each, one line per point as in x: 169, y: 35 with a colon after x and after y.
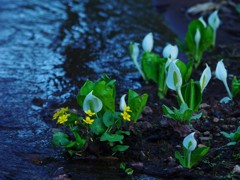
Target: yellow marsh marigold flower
x: 90, y: 113
x: 126, y: 116
x: 88, y: 120
x: 62, y: 119
x: 59, y: 113
x: 127, y: 109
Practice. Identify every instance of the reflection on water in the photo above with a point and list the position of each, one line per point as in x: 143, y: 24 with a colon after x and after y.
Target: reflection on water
x: 47, y: 50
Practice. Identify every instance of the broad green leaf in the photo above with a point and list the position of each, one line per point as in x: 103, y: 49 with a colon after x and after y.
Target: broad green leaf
x: 150, y: 65
x: 84, y: 91
x: 197, y: 116
x: 225, y: 134
x: 97, y: 127
x: 137, y: 104
x: 120, y: 148
x: 198, y: 154
x: 108, y: 118
x: 122, y: 166
x: 123, y: 132
x: 192, y: 95
x: 180, y: 159
x: 129, y: 171
x: 111, y: 137
x: 60, y: 139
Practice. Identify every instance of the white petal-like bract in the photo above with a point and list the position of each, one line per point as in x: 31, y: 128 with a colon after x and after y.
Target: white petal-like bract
x: 205, y: 77
x: 92, y: 103
x: 221, y: 72
x: 122, y: 102
x: 170, y: 51
x: 190, y: 142
x: 174, y: 77
x: 147, y: 42
x: 214, y: 21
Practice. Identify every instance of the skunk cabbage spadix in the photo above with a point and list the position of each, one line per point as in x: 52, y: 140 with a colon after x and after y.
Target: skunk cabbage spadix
x: 147, y: 42
x: 92, y: 103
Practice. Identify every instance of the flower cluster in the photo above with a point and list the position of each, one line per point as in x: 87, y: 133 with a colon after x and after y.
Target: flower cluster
x: 88, y: 119
x: 61, y: 115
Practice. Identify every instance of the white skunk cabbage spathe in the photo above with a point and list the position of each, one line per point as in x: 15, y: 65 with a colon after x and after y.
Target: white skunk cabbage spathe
x: 123, y: 102
x: 203, y: 21
x: 190, y: 142
x: 134, y: 51
x: 170, y: 51
x: 205, y: 77
x: 92, y: 103
x: 214, y: 21
x: 174, y: 79
x: 147, y: 42
x: 221, y: 74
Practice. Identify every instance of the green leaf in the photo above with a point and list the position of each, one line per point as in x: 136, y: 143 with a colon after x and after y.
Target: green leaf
x: 225, y: 134
x: 60, y: 139
x: 80, y: 142
x: 180, y: 159
x: 97, y: 127
x: 122, y: 166
x: 111, y: 137
x: 129, y: 171
x: 120, y: 148
x: 137, y: 104
x: 192, y: 95
x: 197, y: 116
x: 108, y: 119
x: 84, y: 91
x: 123, y: 132
x: 198, y: 154
x: 231, y: 144
x: 150, y: 65
x: 235, y: 86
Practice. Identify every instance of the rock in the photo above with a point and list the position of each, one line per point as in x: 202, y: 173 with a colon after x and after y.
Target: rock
x: 171, y: 161
x: 215, y: 120
x: 205, y: 138
x: 204, y: 106
x: 178, y: 146
x: 204, y: 113
x: 137, y: 165
x: 206, y: 133
x: 236, y: 169
x: 147, y: 110
x: 201, y: 145
x: 217, y: 134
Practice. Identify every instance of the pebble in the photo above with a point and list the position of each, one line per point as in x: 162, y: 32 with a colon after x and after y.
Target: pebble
x: 204, y: 105
x: 218, y: 134
x: 215, y: 120
x: 201, y: 145
x: 206, y: 133
x: 178, y: 146
x: 205, y: 138
x: 147, y: 110
x: 236, y: 169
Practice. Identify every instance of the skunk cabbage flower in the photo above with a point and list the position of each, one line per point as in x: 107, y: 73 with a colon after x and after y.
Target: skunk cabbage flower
x: 92, y: 103
x: 190, y: 142
x: 170, y: 51
x: 147, y: 42
x: 174, y: 79
x: 202, y: 21
x: 205, y: 77
x: 122, y: 102
x: 214, y: 21
x: 221, y: 74
x: 134, y: 50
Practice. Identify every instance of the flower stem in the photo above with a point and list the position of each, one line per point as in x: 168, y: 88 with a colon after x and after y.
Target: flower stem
x: 189, y: 159
x: 180, y: 95
x: 227, y: 88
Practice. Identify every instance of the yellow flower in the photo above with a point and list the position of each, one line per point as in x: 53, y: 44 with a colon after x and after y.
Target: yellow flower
x: 127, y: 109
x: 88, y: 120
x: 59, y: 113
x: 62, y: 119
x: 90, y: 113
x: 126, y: 116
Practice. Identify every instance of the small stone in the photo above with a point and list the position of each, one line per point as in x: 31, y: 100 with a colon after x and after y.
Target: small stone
x: 204, y: 105
x: 206, y: 133
x: 204, y: 113
x: 147, y: 110
x: 236, y: 169
x: 178, y: 146
x: 205, y: 138
x: 215, y: 120
x: 221, y: 119
x: 201, y: 145
x: 233, y: 119
x: 217, y: 134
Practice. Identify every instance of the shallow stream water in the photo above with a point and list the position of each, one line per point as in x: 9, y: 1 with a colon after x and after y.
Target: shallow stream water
x: 47, y: 50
